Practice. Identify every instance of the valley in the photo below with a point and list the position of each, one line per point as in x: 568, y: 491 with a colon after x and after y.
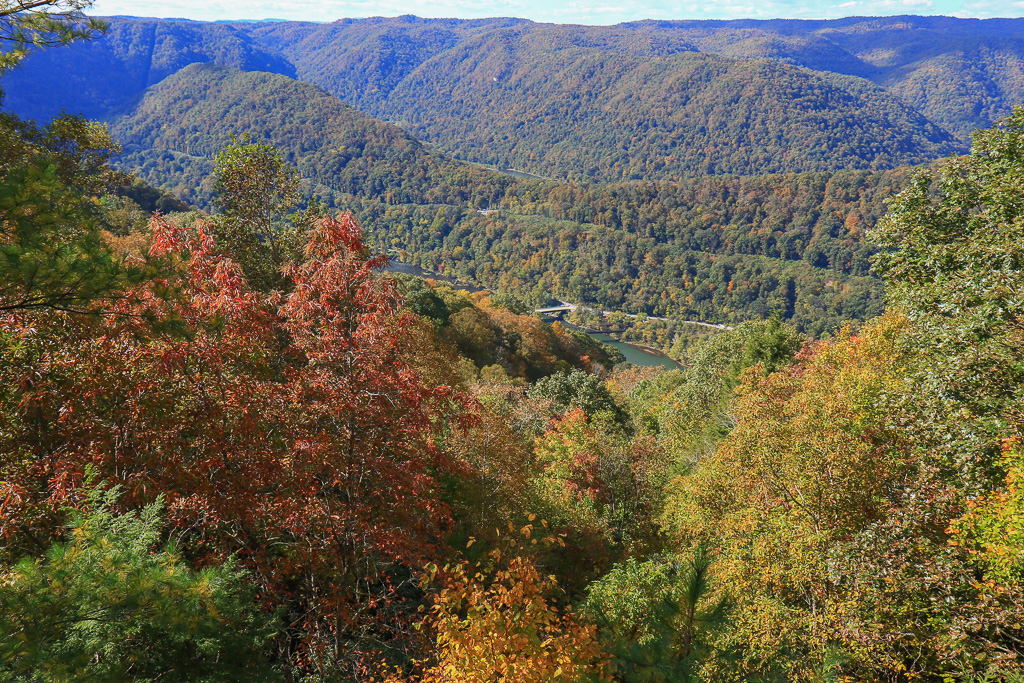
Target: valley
x: 801, y: 253
x: 420, y: 350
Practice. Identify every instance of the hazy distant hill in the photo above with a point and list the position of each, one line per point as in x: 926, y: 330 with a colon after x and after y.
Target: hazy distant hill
x: 364, y: 60
x: 107, y: 74
x: 959, y: 73
x: 609, y: 103
x: 579, y: 113
x: 962, y: 74
x: 570, y: 102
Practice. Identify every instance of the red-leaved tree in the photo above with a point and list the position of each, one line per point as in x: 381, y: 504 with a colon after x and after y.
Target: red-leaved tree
x: 288, y: 430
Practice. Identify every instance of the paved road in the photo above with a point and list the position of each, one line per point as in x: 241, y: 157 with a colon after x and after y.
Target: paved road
x: 567, y: 307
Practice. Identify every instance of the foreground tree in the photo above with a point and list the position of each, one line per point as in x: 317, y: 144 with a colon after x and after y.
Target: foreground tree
x: 953, y: 254
x: 810, y: 462
x: 105, y: 606
x: 658, y: 618
x: 25, y: 24
x: 498, y: 620
x: 52, y: 252
x: 952, y: 251
x: 289, y: 431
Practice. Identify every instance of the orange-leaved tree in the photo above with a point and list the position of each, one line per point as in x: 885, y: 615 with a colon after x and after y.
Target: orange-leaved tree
x: 498, y: 620
x: 598, y: 482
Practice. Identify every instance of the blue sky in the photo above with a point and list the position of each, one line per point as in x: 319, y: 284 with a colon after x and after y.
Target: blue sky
x: 559, y: 11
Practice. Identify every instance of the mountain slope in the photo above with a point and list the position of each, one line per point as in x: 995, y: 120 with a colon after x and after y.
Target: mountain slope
x: 604, y: 103
x: 962, y: 74
x: 363, y: 60
x: 582, y: 114
x: 959, y: 73
x: 967, y: 89
x: 570, y: 102
x: 97, y: 77
x: 174, y: 132
x: 719, y: 248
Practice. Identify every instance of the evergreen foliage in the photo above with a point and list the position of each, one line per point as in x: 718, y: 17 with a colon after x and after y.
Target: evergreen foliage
x: 658, y: 617
x: 28, y: 24
x: 106, y: 605
x: 52, y: 255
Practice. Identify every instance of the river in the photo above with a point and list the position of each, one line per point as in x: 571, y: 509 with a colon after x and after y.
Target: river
x: 636, y: 355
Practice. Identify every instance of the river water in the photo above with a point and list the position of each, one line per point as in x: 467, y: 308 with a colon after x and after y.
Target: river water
x: 635, y: 354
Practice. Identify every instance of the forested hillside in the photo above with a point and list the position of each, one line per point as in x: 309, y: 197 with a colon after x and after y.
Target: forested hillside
x: 174, y: 132
x: 960, y: 73
x: 558, y: 100
x: 585, y: 114
x: 651, y: 101
x: 742, y: 249
x: 232, y: 448
x: 609, y: 104
x: 719, y: 249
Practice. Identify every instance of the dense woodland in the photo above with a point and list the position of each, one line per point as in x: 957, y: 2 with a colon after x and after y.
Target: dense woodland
x: 691, y: 99
x: 578, y: 104
x: 233, y: 447
x: 547, y: 110
x: 655, y: 100
x: 720, y: 249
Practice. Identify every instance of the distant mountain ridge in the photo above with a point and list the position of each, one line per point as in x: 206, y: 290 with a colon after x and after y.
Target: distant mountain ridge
x: 583, y: 114
x: 694, y: 133
x: 653, y: 100
x: 101, y: 77
x: 960, y: 73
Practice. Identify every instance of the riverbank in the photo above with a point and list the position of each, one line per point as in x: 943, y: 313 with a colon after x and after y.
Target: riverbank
x: 637, y: 354
x: 410, y: 269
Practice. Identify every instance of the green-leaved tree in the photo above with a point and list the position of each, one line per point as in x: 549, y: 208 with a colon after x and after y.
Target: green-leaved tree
x: 256, y: 190
x: 108, y: 604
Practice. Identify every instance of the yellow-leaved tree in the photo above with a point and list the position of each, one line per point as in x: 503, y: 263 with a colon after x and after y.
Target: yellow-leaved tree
x: 498, y: 620
x: 808, y: 464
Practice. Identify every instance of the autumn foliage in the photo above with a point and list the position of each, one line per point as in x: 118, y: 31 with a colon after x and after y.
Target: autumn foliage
x: 498, y: 620
x: 286, y: 430
x: 219, y: 462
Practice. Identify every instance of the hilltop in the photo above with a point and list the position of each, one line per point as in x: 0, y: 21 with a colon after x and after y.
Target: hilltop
x: 642, y: 101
